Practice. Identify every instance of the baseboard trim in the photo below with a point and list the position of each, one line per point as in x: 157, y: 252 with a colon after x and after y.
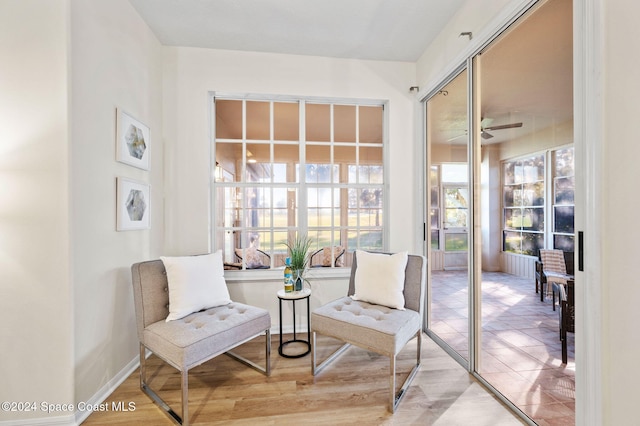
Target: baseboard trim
x: 80, y: 416
x: 106, y: 390
x: 68, y: 420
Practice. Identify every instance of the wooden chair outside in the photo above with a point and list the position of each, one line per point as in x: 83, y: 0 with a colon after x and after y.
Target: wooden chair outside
x: 553, y: 267
x: 567, y: 314
x: 254, y: 258
x: 327, y: 257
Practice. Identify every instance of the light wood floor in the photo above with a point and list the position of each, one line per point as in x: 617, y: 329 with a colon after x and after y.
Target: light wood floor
x: 352, y: 390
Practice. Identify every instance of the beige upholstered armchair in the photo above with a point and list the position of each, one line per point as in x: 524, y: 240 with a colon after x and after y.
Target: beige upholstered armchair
x: 191, y: 338
x: 381, y: 313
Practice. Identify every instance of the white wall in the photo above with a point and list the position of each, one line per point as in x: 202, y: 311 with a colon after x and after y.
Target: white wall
x: 619, y: 287
x: 191, y: 73
x: 538, y: 141
x: 36, y: 307
x: 490, y: 208
x: 450, y: 49
x: 67, y: 313
x: 116, y: 62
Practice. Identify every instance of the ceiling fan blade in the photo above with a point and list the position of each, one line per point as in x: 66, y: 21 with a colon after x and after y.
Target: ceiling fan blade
x: 485, y: 121
x: 486, y: 135
x: 504, y: 126
x: 457, y: 137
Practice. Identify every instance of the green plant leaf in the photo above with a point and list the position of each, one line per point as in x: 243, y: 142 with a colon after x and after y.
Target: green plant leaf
x: 299, y: 252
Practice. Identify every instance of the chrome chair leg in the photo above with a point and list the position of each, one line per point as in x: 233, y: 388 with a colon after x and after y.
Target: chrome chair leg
x: 156, y: 398
x: 392, y: 384
x: 397, y: 397
x: 315, y: 369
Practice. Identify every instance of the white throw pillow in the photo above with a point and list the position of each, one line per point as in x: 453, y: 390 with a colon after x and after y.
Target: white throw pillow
x: 195, y: 283
x: 380, y: 278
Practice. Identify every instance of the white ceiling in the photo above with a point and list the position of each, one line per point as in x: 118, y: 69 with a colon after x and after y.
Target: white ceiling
x: 527, y: 72
x: 390, y: 30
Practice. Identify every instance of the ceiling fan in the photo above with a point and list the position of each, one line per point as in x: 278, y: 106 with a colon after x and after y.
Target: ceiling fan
x: 485, y: 125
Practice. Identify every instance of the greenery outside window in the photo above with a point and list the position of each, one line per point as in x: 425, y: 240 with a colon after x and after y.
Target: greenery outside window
x: 455, y: 200
x: 563, y: 199
x: 524, y: 203
x: 434, y: 212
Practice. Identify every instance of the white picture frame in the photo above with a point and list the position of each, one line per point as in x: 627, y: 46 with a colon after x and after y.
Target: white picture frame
x: 133, y: 141
x: 133, y: 204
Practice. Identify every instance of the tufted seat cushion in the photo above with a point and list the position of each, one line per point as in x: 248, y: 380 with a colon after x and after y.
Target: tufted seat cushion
x: 198, y: 337
x: 375, y: 327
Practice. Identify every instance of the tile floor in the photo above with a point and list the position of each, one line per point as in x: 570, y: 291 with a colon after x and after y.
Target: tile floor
x: 521, y: 350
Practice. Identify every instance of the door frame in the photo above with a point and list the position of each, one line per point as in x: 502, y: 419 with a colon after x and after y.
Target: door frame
x: 454, y: 230
x: 588, y: 60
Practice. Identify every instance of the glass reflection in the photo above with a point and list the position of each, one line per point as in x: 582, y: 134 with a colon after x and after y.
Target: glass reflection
x: 526, y: 175
x: 447, y: 139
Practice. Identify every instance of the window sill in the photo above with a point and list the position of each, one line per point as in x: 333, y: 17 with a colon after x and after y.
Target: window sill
x: 276, y: 274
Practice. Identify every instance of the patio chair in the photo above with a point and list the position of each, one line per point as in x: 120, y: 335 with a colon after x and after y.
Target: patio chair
x: 325, y: 257
x: 254, y: 258
x: 193, y: 339
x: 553, y: 267
x: 567, y: 315
x: 381, y: 313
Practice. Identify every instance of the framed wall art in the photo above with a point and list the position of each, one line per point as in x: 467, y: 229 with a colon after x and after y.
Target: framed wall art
x: 133, y: 141
x: 133, y: 203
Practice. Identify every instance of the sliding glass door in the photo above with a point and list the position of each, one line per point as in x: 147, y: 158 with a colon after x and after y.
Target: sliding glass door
x: 448, y: 207
x: 525, y: 99
x: 499, y: 163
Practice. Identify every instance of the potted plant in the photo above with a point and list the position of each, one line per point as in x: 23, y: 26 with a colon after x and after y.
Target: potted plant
x: 299, y: 254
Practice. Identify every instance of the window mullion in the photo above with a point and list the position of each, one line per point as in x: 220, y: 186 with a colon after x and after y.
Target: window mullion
x: 303, y: 202
x: 240, y: 243
x: 548, y: 201
x: 271, y: 178
x: 358, y: 182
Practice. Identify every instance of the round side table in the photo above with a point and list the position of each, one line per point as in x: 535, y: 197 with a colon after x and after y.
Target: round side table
x: 293, y: 296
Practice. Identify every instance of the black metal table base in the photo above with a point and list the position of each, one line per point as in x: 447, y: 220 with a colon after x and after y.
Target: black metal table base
x: 295, y: 337
x: 283, y: 344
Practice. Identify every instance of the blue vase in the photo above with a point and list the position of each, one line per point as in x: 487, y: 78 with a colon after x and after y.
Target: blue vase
x: 298, y: 282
